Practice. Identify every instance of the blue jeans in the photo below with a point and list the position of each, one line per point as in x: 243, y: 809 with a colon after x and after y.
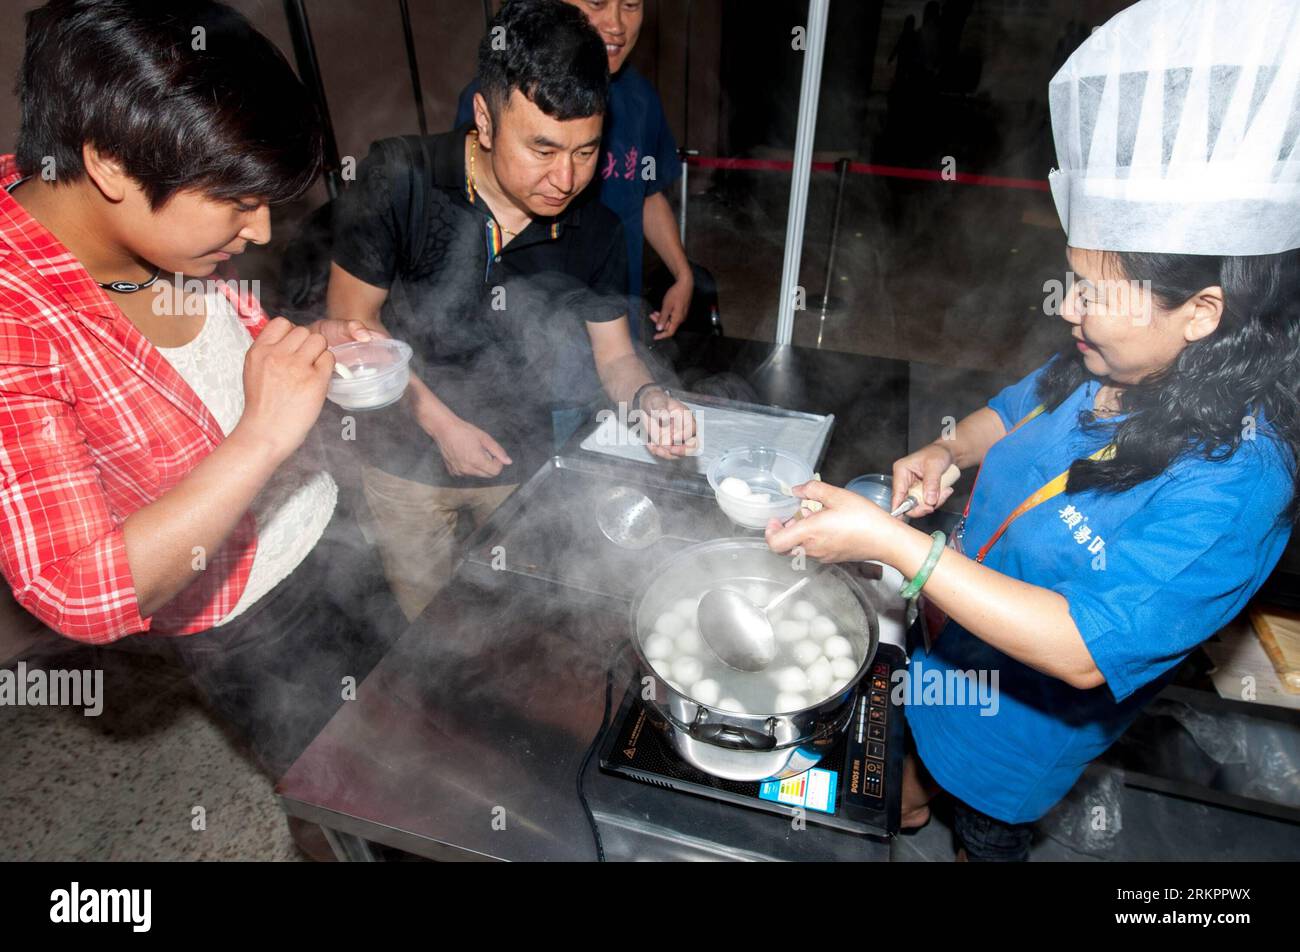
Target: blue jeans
x: 564, y: 423
x: 987, y: 839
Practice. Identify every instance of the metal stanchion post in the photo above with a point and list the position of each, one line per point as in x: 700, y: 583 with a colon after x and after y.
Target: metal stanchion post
x: 842, y: 170
x: 685, y: 155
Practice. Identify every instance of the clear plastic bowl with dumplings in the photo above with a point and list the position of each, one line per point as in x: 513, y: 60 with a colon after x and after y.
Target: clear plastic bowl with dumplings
x: 379, y: 371
x: 768, y: 472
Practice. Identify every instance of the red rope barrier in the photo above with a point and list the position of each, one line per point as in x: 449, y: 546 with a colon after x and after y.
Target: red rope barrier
x: 865, y: 168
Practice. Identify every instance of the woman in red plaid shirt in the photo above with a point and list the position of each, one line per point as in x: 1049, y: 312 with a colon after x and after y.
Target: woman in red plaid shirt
x: 155, y: 469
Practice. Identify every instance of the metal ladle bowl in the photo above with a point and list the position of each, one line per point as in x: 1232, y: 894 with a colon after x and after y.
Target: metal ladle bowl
x: 738, y: 631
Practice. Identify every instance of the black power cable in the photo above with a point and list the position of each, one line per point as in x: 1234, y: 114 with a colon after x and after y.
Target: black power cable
x: 591, y: 750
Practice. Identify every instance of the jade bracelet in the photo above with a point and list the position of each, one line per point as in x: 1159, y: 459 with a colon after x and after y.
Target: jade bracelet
x: 913, y: 588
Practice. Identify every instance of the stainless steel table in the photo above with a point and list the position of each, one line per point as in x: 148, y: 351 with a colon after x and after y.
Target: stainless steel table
x: 466, y: 742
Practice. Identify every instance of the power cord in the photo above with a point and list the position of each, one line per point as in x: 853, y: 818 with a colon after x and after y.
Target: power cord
x: 591, y: 750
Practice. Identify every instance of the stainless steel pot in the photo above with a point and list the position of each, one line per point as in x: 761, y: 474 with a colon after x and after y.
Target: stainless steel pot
x: 753, y: 746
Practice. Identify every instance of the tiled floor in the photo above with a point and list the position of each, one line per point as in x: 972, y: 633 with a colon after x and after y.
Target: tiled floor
x: 134, y: 782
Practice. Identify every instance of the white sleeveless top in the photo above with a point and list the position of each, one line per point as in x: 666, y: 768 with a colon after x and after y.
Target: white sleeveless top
x: 297, y: 502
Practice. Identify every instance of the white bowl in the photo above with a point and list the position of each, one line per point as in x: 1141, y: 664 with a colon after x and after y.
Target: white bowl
x: 380, y: 370
x: 765, y: 470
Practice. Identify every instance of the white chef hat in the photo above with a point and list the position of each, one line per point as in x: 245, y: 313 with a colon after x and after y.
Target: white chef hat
x: 1176, y: 127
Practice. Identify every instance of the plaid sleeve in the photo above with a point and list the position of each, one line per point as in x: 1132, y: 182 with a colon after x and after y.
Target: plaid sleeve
x: 61, y: 550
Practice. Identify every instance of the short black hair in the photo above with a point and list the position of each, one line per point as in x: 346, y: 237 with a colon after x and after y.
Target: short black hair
x: 229, y: 118
x: 548, y: 51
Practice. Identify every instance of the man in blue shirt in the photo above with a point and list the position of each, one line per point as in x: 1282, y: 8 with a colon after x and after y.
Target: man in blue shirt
x: 638, y: 163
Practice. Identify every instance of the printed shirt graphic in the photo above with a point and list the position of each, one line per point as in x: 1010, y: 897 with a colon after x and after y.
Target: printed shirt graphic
x: 1148, y: 575
x: 94, y: 424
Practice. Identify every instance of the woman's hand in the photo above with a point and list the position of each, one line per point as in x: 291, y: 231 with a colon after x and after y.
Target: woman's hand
x: 926, y: 465
x: 338, y: 332
x: 847, y: 529
x: 669, y: 424
x: 286, y: 373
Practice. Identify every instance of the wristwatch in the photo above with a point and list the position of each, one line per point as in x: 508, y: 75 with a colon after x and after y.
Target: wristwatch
x: 640, y: 392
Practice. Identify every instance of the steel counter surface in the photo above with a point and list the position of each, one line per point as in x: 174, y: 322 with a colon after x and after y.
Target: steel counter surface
x: 466, y: 741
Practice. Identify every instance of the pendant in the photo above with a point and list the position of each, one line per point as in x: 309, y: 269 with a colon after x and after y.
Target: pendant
x: 129, y: 287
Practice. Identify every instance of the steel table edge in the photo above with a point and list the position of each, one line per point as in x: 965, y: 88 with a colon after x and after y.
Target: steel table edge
x: 375, y: 832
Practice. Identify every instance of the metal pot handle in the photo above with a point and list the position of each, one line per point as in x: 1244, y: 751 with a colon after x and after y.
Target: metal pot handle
x: 735, y: 738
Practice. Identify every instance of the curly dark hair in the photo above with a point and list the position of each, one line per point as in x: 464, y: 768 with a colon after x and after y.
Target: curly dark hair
x: 1249, y: 367
x: 548, y: 51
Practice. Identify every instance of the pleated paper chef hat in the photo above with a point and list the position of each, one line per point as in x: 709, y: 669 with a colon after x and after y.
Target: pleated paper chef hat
x: 1176, y: 127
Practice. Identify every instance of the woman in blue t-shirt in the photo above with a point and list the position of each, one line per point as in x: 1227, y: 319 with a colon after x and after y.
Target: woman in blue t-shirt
x: 1136, y: 491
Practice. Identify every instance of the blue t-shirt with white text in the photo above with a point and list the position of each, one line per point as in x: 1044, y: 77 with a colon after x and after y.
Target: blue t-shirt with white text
x: 1148, y: 573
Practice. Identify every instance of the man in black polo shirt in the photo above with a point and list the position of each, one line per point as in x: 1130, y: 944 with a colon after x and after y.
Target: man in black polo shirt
x: 481, y: 249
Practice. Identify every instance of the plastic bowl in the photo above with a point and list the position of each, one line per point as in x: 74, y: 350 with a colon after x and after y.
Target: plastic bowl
x: 380, y: 368
x: 764, y: 469
x: 876, y: 487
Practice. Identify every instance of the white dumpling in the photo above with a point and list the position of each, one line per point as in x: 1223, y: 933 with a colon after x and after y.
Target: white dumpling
x: 685, y: 608
x: 804, y: 610
x: 670, y: 623
x: 820, y: 676
x: 837, y: 646
x: 844, y: 667
x: 821, y: 628
x: 658, y: 646
x: 687, y: 669
x: 788, y: 701
x: 806, y: 652
x: 790, y: 631
x: 734, y: 486
x: 688, y: 641
x: 791, y: 680
x: 732, y: 705
x: 663, y: 667
x: 839, y: 685
x: 706, y: 691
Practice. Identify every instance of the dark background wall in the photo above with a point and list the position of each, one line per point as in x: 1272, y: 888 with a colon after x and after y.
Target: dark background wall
x: 983, y: 100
